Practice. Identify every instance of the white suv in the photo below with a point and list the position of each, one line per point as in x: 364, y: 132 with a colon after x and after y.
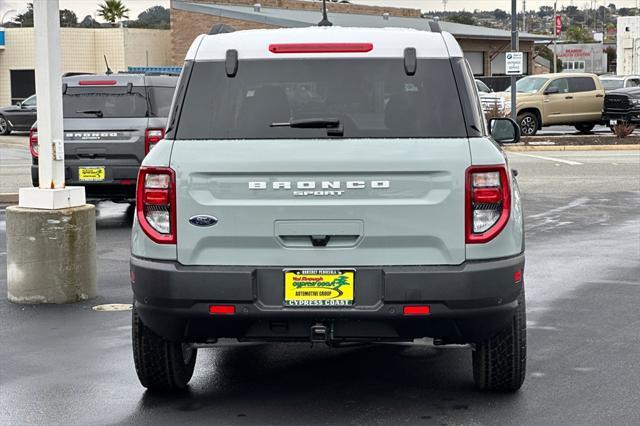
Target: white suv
x: 328, y: 185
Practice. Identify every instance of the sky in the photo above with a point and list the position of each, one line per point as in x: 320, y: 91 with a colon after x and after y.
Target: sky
x: 88, y: 7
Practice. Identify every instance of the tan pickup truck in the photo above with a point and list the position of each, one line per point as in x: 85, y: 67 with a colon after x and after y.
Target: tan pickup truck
x: 558, y: 99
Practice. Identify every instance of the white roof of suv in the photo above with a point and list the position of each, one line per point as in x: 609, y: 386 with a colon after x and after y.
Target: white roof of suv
x: 386, y: 43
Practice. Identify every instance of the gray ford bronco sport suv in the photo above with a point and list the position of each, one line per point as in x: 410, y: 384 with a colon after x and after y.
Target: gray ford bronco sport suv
x: 328, y: 185
x: 110, y: 123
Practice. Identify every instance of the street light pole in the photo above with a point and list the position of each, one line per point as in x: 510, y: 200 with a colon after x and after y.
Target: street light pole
x: 48, y: 84
x: 514, y: 48
x: 555, y: 37
x: 51, y: 233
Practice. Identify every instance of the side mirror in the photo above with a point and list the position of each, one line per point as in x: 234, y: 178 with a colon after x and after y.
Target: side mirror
x: 504, y: 130
x: 552, y: 90
x: 19, y: 105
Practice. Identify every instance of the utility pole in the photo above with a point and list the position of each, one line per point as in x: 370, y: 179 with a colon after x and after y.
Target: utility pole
x: 555, y: 37
x: 514, y: 48
x: 524, y: 15
x: 444, y: 4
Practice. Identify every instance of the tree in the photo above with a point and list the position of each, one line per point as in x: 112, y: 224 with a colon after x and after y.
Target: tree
x: 89, y: 22
x: 68, y: 18
x: 112, y: 10
x: 154, y: 17
x: 26, y: 19
x: 577, y: 34
x: 572, y: 11
x: 500, y: 15
x: 545, y: 11
x: 462, y: 18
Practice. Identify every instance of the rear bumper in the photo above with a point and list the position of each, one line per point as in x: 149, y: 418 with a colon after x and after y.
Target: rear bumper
x: 469, y: 302
x: 119, y: 184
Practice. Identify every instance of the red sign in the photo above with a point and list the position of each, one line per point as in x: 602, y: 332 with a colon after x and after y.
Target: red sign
x: 558, y: 26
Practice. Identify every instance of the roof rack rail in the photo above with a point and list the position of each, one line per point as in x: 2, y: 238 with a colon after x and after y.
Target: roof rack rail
x: 434, y: 26
x: 153, y: 70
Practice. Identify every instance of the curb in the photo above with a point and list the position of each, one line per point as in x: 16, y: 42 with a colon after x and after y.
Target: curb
x: 572, y: 148
x: 8, y: 198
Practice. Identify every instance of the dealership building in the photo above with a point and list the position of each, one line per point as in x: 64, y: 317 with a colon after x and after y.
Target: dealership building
x: 81, y: 50
x: 584, y: 57
x: 485, y: 48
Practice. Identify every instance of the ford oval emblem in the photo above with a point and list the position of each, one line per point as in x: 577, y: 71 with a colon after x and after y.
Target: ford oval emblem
x: 203, y: 220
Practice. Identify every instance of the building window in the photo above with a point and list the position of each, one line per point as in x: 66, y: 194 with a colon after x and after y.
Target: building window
x: 577, y: 66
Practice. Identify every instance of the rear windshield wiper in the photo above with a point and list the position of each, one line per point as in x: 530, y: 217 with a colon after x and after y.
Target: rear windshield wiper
x: 95, y: 112
x: 333, y: 125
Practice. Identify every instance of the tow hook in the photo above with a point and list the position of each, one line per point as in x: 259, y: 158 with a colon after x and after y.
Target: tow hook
x: 319, y: 333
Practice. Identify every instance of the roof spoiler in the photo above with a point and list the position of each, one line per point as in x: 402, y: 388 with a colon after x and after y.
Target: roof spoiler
x: 434, y: 26
x: 221, y: 29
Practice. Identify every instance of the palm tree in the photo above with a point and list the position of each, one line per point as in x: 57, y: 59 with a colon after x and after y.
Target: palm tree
x: 112, y: 10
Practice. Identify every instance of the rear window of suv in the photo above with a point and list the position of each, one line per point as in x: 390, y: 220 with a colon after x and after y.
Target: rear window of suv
x: 117, y: 102
x: 104, y: 102
x: 372, y: 98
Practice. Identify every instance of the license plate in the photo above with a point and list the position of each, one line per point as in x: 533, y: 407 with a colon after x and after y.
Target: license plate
x: 613, y: 122
x: 91, y: 174
x: 319, y: 287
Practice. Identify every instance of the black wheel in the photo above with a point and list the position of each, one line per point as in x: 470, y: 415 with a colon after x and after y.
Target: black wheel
x: 5, y: 127
x: 529, y: 124
x: 161, y: 365
x: 585, y: 128
x: 499, y: 363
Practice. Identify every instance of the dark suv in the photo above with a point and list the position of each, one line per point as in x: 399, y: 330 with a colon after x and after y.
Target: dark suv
x: 110, y: 123
x: 622, y: 106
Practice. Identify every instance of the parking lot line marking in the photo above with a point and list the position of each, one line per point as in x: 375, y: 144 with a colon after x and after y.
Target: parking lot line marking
x: 555, y: 160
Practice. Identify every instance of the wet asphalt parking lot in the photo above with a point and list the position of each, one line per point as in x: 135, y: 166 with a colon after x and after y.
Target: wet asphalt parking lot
x: 71, y: 365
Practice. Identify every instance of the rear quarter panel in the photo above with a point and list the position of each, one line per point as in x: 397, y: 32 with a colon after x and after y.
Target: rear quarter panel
x: 141, y: 245
x: 510, y: 241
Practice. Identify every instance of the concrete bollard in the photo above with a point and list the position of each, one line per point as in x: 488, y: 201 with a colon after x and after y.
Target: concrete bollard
x: 51, y: 254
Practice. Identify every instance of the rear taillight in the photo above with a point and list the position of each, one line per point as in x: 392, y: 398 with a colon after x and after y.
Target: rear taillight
x: 33, y: 142
x: 488, y: 202
x: 321, y: 47
x: 156, y: 203
x: 151, y: 138
x: 97, y: 82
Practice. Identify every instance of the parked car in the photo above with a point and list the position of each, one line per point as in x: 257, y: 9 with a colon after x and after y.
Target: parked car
x: 493, y: 104
x: 622, y: 106
x: 290, y: 205
x: 613, y: 82
x: 110, y: 123
x: 574, y: 99
x: 483, y: 88
x: 18, y: 117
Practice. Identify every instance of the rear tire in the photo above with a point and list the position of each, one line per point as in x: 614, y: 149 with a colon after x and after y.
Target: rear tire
x: 5, y: 127
x: 529, y: 124
x: 499, y: 363
x: 585, y: 128
x: 161, y: 365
